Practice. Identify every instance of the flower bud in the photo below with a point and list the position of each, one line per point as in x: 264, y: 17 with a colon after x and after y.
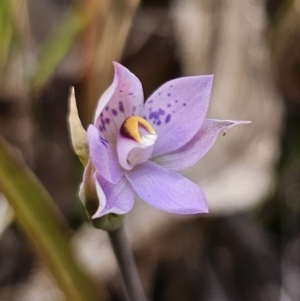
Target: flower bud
x: 78, y: 133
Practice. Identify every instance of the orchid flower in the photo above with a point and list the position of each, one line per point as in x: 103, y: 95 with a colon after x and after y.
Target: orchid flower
x: 138, y: 149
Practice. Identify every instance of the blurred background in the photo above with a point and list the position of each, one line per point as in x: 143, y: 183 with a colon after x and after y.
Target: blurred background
x: 248, y: 247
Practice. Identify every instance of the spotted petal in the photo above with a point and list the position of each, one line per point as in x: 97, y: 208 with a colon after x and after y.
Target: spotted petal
x: 117, y: 198
x: 198, y: 146
x: 104, y: 156
x: 167, y: 190
x: 121, y: 100
x: 176, y: 111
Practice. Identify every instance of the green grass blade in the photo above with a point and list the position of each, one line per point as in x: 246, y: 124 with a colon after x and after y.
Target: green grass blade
x: 35, y: 213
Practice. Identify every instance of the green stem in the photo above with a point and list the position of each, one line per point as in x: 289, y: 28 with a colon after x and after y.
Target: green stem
x: 35, y: 213
x: 126, y: 264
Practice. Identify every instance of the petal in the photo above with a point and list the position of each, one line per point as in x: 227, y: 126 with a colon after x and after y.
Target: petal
x: 122, y: 99
x: 117, y: 198
x: 198, y: 146
x: 104, y: 156
x: 167, y: 190
x: 176, y: 111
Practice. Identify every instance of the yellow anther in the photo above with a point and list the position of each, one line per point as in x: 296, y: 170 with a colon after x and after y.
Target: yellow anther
x: 130, y: 127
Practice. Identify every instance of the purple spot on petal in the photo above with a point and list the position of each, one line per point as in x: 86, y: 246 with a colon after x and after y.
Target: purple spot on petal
x: 130, y: 93
x: 168, y: 118
x: 158, y: 122
x: 154, y: 115
x: 169, y: 94
x: 106, y: 108
x: 176, y: 100
x: 150, y: 101
x: 107, y: 120
x: 171, y: 86
x: 121, y: 90
x: 169, y: 105
x: 145, y: 117
x: 161, y: 112
x: 115, y: 112
x: 103, y: 140
x: 174, y: 112
x: 159, y: 93
x: 184, y: 104
x: 103, y: 124
x: 101, y: 128
x: 121, y: 107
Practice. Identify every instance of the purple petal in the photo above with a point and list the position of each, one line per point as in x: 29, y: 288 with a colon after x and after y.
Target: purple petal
x: 114, y: 198
x: 104, y: 156
x: 198, y: 146
x: 122, y: 99
x: 167, y: 190
x: 176, y: 111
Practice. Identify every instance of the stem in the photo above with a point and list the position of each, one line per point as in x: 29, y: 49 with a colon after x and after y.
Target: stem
x: 126, y: 264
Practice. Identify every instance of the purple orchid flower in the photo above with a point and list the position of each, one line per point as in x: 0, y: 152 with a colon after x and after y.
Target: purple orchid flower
x: 138, y: 148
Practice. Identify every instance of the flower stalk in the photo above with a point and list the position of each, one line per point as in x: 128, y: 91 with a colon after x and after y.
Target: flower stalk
x: 126, y: 264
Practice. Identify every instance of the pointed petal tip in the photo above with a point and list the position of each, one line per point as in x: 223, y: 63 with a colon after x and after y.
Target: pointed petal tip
x: 118, y: 68
x: 116, y: 65
x: 239, y: 122
x: 242, y: 121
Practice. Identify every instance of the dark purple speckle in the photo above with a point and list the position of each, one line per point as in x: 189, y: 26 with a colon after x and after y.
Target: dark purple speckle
x: 176, y: 100
x: 115, y: 112
x: 171, y: 86
x: 106, y: 108
x: 121, y: 107
x: 168, y: 118
x: 184, y: 104
x: 121, y: 91
x: 158, y: 122
x: 103, y: 124
x: 107, y: 120
x: 154, y: 115
x: 130, y: 93
x: 161, y: 112
x: 169, y: 94
x: 150, y: 101
x: 169, y: 105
